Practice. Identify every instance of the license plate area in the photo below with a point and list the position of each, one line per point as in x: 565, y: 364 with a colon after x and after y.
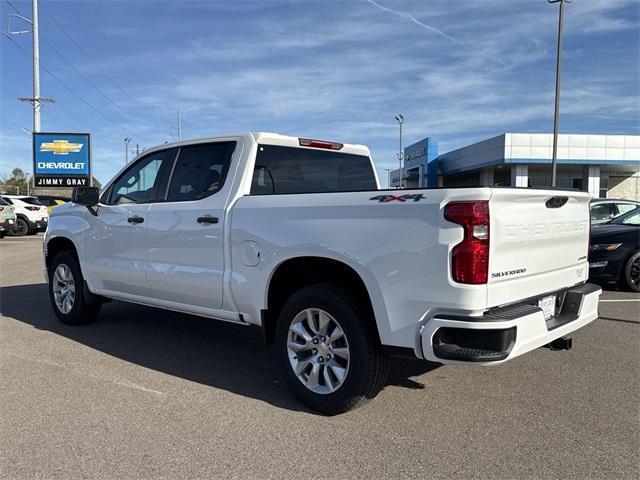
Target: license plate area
x: 548, y: 305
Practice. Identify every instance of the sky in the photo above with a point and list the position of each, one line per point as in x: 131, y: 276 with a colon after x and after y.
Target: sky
x: 459, y: 71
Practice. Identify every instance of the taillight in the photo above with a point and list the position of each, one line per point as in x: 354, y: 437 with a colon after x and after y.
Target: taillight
x: 470, y: 258
x: 32, y: 209
x: 309, y: 142
x: 1, y: 209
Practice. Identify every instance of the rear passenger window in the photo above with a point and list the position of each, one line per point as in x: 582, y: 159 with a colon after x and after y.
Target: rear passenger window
x: 200, y: 171
x: 301, y: 170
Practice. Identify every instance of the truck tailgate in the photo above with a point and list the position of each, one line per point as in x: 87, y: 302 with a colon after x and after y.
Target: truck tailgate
x: 539, y: 241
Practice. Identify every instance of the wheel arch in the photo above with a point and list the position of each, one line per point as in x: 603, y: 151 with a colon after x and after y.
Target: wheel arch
x: 56, y: 245
x: 292, y: 275
x: 25, y: 218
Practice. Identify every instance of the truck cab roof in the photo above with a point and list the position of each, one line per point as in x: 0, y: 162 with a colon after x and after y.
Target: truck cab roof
x: 271, y: 138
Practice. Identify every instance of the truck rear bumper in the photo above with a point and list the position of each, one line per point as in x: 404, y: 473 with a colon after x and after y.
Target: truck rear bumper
x: 506, y: 333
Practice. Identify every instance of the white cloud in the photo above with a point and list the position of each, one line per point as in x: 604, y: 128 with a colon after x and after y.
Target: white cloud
x: 342, y: 70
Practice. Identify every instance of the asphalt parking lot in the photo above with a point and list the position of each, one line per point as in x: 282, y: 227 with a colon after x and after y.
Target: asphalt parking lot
x: 144, y: 393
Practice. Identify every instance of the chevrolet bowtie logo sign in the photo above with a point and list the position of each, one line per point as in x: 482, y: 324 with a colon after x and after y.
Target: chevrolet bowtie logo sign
x: 61, y: 159
x: 61, y: 147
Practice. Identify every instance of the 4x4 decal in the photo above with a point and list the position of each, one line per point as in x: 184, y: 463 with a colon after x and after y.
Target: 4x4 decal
x: 416, y: 197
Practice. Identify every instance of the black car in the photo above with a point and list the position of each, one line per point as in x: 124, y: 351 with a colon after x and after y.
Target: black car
x: 614, y: 254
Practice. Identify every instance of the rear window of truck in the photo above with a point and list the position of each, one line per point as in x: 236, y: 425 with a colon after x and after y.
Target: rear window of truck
x: 31, y: 200
x: 282, y: 170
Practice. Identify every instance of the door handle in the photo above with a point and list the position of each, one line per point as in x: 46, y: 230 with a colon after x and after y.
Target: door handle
x: 135, y: 219
x: 207, y: 219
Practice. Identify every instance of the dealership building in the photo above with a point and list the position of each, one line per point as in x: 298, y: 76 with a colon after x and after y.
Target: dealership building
x: 604, y: 165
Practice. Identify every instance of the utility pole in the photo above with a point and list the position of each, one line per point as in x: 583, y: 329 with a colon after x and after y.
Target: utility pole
x: 35, y: 100
x: 137, y: 149
x: 400, y: 119
x: 36, y: 67
x: 126, y: 149
x: 554, y: 158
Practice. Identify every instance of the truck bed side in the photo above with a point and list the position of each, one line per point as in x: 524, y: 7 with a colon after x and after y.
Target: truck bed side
x: 400, y: 249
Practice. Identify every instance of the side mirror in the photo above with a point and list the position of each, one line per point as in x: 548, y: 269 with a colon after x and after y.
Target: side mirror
x: 87, y: 196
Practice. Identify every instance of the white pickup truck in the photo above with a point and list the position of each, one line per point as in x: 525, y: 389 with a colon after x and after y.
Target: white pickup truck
x: 295, y: 236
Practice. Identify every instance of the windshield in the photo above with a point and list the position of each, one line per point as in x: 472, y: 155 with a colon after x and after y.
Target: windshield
x: 630, y: 218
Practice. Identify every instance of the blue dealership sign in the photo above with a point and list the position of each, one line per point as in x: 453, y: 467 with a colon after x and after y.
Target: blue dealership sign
x: 61, y: 159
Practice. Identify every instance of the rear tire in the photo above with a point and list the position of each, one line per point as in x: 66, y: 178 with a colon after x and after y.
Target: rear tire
x: 631, y: 273
x: 66, y: 291
x: 328, y: 337
x: 21, y: 228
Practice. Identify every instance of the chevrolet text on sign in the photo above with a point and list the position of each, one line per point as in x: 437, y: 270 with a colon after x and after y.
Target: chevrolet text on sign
x: 61, y: 159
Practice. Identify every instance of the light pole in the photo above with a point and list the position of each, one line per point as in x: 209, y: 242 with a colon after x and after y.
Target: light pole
x: 388, y: 170
x: 179, y: 126
x: 400, y: 119
x: 554, y: 159
x: 126, y: 149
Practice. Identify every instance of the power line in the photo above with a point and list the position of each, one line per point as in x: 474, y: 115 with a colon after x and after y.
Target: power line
x: 14, y: 7
x: 57, y: 104
x: 76, y: 70
x: 60, y: 120
x: 86, y: 55
x: 70, y: 89
x: 53, y: 47
x: 144, y: 109
x: 78, y: 118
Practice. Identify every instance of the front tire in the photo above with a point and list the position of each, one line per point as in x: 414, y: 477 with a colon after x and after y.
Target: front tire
x: 66, y: 291
x: 631, y: 273
x: 21, y: 228
x: 328, y: 350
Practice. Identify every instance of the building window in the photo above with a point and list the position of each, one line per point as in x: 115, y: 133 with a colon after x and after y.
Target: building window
x: 604, y: 187
x: 501, y: 177
x: 539, y: 182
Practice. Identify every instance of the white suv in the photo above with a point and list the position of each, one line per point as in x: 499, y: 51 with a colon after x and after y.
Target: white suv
x: 32, y: 216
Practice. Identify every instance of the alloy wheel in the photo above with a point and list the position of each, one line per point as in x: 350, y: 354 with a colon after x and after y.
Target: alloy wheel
x: 21, y: 228
x: 64, y: 288
x: 318, y: 351
x: 634, y: 274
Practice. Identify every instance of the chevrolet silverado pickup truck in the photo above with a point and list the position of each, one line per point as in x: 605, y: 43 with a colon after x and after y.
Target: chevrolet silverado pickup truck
x: 295, y: 236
